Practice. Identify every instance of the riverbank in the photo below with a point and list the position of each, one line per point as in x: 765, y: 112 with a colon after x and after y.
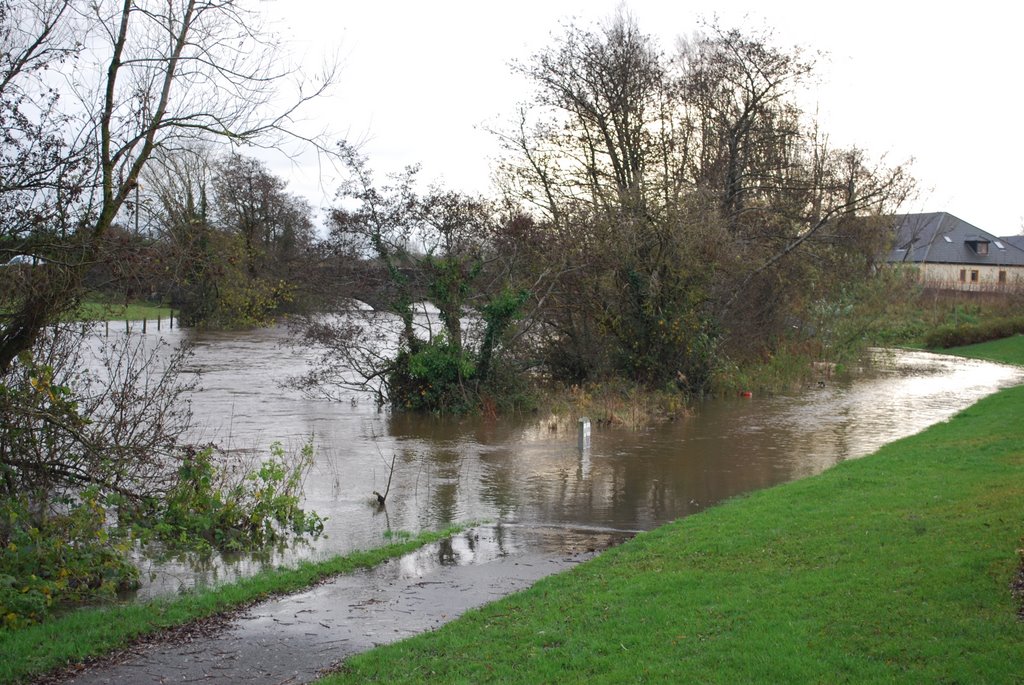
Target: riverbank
x: 581, y: 615
x: 91, y: 633
x: 898, y: 566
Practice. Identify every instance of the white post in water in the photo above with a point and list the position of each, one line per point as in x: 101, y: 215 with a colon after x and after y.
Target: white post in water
x: 584, y: 433
x: 583, y: 472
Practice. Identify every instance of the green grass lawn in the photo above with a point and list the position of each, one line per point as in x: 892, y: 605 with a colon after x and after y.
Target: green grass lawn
x: 892, y: 568
x: 94, y: 631
x: 103, y: 311
x: 1006, y: 350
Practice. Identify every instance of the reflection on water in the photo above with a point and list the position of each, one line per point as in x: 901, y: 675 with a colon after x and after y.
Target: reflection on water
x: 503, y: 540
x: 521, y: 472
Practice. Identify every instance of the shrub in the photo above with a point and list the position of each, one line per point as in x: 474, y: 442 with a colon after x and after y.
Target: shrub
x: 948, y: 336
x: 69, y: 422
x: 76, y: 554
x: 56, y: 559
x: 431, y: 379
x: 209, y: 506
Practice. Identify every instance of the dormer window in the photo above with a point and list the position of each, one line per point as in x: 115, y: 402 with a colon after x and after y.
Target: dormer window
x: 979, y: 245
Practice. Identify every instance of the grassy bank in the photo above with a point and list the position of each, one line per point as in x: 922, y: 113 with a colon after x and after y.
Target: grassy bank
x: 1005, y: 351
x: 892, y: 568
x: 95, y: 631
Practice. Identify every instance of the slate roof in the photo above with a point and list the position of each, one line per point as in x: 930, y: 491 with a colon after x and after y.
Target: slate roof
x: 941, y: 238
x: 1015, y: 240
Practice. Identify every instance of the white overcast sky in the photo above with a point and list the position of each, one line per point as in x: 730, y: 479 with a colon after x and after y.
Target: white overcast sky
x: 939, y: 82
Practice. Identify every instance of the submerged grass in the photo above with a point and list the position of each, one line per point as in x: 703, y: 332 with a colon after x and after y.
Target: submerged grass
x: 611, y: 402
x: 94, y: 631
x: 894, y: 567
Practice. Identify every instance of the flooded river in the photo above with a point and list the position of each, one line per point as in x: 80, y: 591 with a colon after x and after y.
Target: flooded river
x: 529, y: 473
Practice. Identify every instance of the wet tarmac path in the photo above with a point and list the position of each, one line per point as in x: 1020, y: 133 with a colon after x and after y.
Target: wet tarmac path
x: 292, y: 639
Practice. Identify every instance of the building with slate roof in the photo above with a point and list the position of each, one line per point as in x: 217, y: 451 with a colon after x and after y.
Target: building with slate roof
x: 1015, y: 240
x: 951, y: 254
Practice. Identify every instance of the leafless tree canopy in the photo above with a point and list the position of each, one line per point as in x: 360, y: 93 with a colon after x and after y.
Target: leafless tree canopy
x: 699, y: 204
x: 89, y: 91
x: 107, y: 415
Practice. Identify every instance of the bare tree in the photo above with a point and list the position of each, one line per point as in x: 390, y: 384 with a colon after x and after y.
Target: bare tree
x: 274, y: 225
x: 598, y: 91
x: 146, y: 74
x: 738, y: 90
x: 106, y: 415
x: 39, y: 170
x: 686, y: 202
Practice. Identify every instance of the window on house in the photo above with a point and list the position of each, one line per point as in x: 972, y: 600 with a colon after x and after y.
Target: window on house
x: 974, y: 275
x: 1002, y: 278
x: 979, y: 245
x: 963, y: 275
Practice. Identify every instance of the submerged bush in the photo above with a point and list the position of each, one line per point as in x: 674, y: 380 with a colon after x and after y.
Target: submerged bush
x: 227, y: 509
x: 433, y: 378
x: 80, y: 553
x: 445, y: 375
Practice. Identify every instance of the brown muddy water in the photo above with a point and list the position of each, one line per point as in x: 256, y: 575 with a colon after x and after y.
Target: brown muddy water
x: 528, y: 473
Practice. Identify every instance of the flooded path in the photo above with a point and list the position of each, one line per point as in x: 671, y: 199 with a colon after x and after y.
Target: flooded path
x: 294, y: 638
